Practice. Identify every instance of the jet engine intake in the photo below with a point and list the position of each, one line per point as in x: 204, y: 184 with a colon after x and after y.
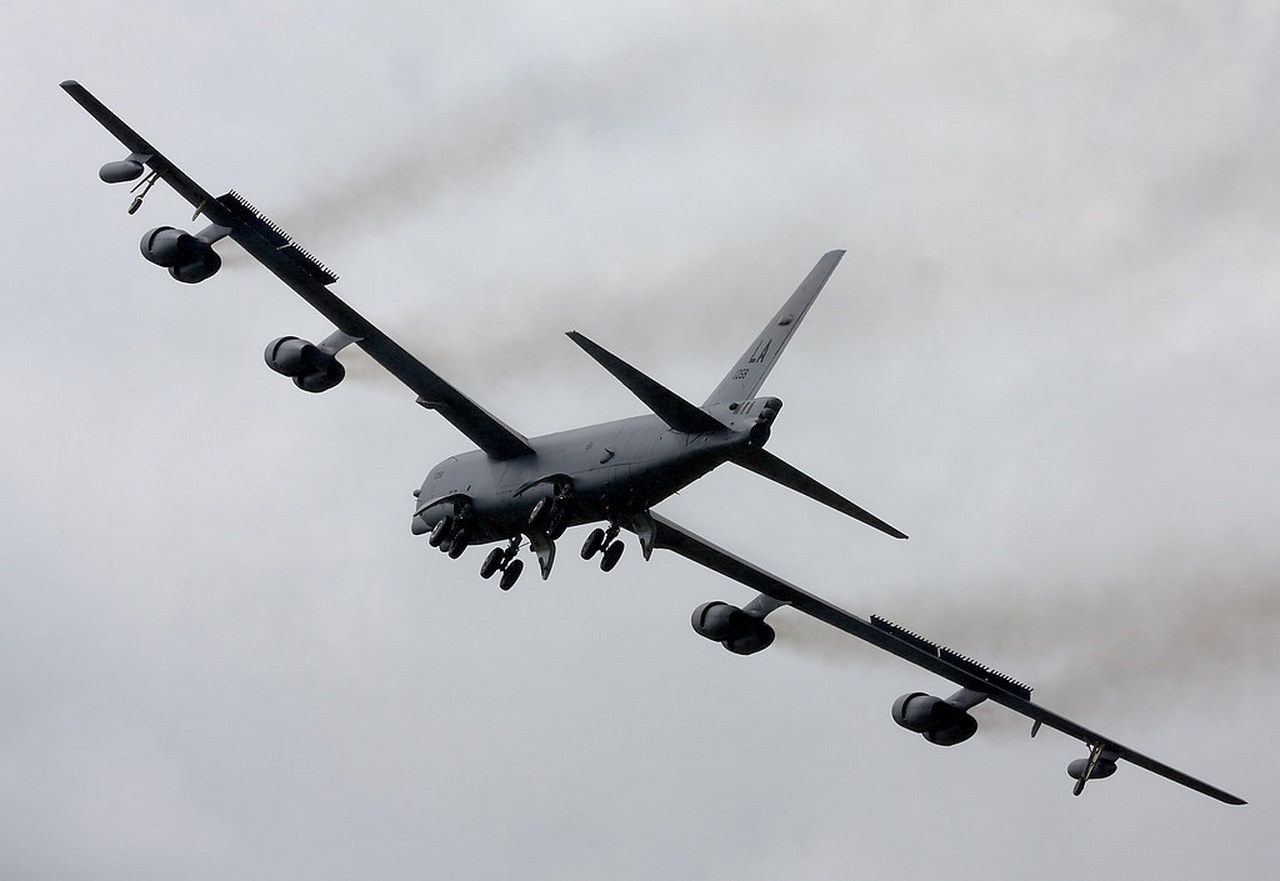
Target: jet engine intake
x: 941, y: 722
x: 188, y: 258
x: 311, y: 368
x: 739, y: 632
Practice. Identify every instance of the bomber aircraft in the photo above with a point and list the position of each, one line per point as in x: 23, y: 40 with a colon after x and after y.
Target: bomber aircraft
x: 515, y: 491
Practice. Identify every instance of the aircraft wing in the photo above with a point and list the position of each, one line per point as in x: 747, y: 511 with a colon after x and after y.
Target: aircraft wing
x: 310, y: 279
x: 968, y: 674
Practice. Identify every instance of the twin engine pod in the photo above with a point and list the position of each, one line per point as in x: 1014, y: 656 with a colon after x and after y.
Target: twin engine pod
x: 312, y: 368
x: 739, y: 632
x: 188, y: 258
x: 940, y: 721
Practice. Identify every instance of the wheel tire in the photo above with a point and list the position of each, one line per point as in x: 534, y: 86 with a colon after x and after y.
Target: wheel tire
x: 440, y: 531
x: 458, y: 544
x: 611, y: 556
x: 492, y: 563
x: 595, y: 540
x: 512, y: 572
x: 557, y: 521
x: 538, y: 515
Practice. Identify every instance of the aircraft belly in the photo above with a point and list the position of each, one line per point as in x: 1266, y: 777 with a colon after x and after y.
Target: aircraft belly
x: 628, y: 467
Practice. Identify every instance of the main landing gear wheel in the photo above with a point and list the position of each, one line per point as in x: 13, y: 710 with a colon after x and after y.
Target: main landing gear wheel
x: 510, y: 574
x: 458, y: 543
x: 503, y: 560
x: 557, y: 522
x: 492, y: 563
x: 611, y: 555
x: 603, y: 540
x: 593, y: 544
x: 551, y: 516
x: 440, y: 531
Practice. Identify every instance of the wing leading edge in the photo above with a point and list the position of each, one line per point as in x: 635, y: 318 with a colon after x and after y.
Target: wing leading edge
x: 966, y: 673
x: 275, y: 250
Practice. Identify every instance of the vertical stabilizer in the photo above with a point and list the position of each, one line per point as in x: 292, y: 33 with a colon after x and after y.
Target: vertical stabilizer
x: 746, y: 377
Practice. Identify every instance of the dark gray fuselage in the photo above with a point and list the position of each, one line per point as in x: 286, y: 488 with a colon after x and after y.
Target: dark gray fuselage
x: 611, y: 470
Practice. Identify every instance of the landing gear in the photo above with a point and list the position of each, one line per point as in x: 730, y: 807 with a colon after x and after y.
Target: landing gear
x: 513, y: 570
x: 611, y: 555
x: 603, y: 540
x: 551, y: 516
x: 503, y: 560
x: 558, y: 522
x: 593, y: 544
x: 492, y: 563
x: 458, y: 542
x: 440, y: 532
x: 451, y: 535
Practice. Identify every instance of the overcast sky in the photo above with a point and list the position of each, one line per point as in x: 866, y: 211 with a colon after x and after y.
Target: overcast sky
x: 1049, y: 356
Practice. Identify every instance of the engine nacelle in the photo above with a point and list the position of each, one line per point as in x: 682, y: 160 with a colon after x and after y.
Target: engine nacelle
x: 941, y: 722
x: 311, y: 368
x: 188, y: 258
x: 733, y: 628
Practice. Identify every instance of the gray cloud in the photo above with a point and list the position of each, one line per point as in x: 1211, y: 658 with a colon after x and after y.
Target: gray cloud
x: 1048, y: 356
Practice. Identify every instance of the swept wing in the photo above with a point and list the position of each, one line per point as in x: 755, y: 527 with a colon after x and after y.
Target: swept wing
x: 970, y: 675
x: 310, y: 279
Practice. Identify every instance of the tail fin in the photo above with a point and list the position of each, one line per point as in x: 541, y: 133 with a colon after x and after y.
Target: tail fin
x: 746, y: 377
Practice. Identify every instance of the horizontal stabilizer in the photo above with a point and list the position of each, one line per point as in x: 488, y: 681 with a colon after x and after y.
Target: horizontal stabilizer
x: 768, y: 465
x: 666, y: 404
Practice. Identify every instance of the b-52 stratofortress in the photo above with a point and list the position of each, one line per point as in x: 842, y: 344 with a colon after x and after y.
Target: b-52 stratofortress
x: 515, y: 491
